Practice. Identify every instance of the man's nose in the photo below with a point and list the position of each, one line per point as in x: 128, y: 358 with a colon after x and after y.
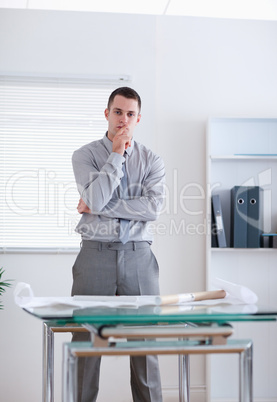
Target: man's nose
x: 124, y: 118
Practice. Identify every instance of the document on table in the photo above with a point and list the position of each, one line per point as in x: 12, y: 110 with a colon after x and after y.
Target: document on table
x: 235, y: 294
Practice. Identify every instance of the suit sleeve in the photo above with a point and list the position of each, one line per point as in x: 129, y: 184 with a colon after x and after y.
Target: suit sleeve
x: 145, y: 207
x: 96, y: 186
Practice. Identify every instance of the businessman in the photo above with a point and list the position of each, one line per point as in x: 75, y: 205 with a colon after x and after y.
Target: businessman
x: 121, y: 186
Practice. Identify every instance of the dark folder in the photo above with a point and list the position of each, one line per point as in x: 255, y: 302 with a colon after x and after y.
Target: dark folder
x: 255, y: 217
x: 213, y: 229
x: 217, y: 222
x: 239, y: 195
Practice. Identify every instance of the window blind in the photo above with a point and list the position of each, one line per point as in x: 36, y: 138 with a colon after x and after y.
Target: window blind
x: 42, y: 121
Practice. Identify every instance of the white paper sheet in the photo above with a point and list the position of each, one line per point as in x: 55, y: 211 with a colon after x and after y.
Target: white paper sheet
x: 236, y: 294
x: 24, y: 297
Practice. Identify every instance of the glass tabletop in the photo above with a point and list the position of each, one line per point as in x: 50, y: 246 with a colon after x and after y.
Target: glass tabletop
x: 219, y: 313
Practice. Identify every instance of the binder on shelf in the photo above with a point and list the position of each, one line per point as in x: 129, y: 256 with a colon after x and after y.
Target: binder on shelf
x: 218, y: 231
x: 213, y: 229
x: 255, y: 217
x: 246, y: 216
x: 239, y: 196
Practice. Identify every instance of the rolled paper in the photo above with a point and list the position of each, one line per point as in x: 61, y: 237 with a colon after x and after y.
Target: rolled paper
x: 210, y: 295
x: 188, y: 297
x: 174, y: 299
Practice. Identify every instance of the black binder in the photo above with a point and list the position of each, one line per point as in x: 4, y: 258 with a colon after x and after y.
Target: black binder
x: 255, y: 217
x: 239, y: 196
x: 217, y: 222
x: 213, y: 229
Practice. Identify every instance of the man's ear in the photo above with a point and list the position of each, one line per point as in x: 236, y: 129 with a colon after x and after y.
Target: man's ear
x: 107, y: 113
x: 138, y: 119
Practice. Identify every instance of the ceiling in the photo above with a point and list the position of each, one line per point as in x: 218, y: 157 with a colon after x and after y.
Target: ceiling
x: 243, y: 9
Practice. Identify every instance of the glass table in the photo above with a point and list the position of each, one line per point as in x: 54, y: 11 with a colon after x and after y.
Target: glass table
x: 182, y: 330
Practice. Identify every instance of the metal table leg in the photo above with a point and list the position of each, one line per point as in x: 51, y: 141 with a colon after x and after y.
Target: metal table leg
x: 184, y: 378
x: 246, y: 375
x: 49, y: 329
x: 48, y: 364
x: 70, y: 383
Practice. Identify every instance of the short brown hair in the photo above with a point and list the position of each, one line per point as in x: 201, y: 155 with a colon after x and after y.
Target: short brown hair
x: 128, y: 93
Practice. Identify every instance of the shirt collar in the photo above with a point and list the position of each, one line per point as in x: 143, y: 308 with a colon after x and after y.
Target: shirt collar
x: 108, y: 143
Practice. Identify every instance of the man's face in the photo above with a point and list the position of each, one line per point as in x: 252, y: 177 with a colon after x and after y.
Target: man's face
x: 123, y: 112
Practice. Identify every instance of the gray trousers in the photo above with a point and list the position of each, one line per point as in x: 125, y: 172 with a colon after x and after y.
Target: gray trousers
x: 122, y: 269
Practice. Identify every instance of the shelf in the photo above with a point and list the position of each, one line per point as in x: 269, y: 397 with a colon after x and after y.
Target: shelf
x: 244, y: 250
x: 241, y: 152
x: 243, y: 157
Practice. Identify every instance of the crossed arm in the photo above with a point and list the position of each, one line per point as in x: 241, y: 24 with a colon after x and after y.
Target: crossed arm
x: 96, y: 189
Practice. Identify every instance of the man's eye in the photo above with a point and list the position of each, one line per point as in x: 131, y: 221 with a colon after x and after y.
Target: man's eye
x: 131, y: 114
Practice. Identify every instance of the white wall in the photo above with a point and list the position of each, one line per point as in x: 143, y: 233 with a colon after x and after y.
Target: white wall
x: 185, y: 70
